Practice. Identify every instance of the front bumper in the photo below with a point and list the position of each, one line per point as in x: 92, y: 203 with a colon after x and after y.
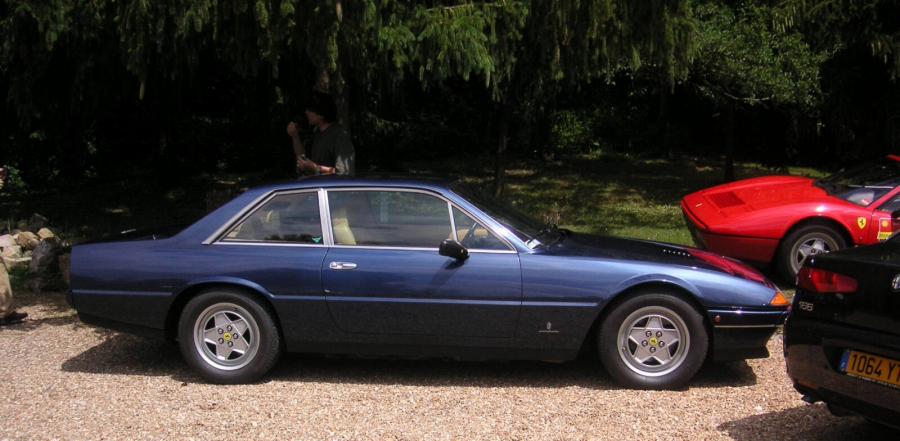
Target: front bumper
x: 813, y: 349
x: 741, y: 335
x: 754, y: 249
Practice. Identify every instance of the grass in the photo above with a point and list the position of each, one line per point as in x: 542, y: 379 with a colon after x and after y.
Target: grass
x: 617, y: 195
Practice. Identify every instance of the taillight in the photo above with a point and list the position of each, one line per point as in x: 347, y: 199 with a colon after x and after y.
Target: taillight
x: 731, y: 267
x: 822, y: 281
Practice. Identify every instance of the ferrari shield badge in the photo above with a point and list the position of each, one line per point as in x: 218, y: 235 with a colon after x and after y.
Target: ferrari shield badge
x: 861, y: 222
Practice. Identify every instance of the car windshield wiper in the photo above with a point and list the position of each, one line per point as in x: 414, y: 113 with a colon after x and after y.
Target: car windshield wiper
x: 828, y: 186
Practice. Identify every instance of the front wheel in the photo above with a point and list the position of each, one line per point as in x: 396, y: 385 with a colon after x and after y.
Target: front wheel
x: 228, y: 337
x: 653, y: 341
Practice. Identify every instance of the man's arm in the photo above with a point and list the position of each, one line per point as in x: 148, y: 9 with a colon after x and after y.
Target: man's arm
x: 294, y: 133
x: 344, y: 156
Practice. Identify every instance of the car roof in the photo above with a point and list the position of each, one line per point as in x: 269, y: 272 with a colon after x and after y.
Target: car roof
x: 437, y: 184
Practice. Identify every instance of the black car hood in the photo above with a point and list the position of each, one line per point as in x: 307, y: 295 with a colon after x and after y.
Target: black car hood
x: 605, y: 247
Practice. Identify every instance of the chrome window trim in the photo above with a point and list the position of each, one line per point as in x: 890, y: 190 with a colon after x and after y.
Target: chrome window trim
x: 217, y: 237
x: 511, y: 249
x: 272, y: 244
x: 325, y: 218
x: 389, y: 248
x: 484, y: 225
x: 452, y: 222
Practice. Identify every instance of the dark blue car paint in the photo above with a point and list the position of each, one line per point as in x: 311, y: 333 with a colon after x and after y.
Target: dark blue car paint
x: 531, y: 303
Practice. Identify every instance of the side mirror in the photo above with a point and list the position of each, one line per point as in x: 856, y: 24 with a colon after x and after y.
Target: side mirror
x: 454, y: 249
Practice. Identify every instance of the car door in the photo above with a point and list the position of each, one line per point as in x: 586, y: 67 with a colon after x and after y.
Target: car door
x: 383, y: 275
x: 883, y: 224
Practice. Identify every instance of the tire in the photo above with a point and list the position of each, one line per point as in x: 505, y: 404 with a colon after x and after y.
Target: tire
x: 241, y: 342
x: 816, y: 239
x: 667, y: 358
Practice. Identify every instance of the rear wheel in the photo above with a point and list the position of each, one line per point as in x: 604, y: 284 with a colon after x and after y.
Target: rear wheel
x: 805, y: 242
x: 228, y: 337
x: 653, y: 341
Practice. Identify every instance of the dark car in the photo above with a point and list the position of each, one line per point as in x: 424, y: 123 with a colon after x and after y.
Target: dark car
x: 842, y: 338
x: 420, y: 269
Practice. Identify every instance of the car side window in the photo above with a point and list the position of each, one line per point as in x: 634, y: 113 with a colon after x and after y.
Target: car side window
x: 472, y: 235
x: 291, y: 218
x: 388, y: 218
x: 891, y: 205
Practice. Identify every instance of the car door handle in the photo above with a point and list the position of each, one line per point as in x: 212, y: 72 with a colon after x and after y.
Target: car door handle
x: 342, y: 265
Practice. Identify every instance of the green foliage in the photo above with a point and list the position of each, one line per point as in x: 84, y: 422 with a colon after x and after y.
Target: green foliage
x: 572, y: 131
x: 14, y: 183
x: 743, y: 60
x: 848, y: 24
x: 95, y: 86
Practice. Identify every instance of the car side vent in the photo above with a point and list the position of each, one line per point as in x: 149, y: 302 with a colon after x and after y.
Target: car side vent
x: 725, y: 199
x: 674, y: 252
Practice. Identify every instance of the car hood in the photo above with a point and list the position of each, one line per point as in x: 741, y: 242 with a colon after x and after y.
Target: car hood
x: 717, y: 204
x: 643, y: 251
x: 605, y: 247
x: 758, y: 193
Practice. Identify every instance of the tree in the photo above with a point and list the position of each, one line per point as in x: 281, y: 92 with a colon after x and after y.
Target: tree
x: 525, y: 52
x: 743, y: 61
x: 861, y: 112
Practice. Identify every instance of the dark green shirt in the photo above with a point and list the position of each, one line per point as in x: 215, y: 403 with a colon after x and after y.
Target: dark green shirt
x: 333, y: 148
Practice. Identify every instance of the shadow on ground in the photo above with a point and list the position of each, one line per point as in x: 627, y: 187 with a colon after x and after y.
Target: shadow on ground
x: 54, y: 302
x: 49, y: 308
x: 121, y: 354
x: 806, y: 422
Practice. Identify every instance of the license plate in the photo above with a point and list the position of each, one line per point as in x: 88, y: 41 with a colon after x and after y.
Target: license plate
x: 871, y: 367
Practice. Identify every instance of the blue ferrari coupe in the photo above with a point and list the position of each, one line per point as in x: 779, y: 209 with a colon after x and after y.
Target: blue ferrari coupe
x: 415, y: 268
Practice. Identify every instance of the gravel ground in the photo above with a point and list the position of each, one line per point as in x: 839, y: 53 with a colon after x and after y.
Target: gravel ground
x: 63, y: 379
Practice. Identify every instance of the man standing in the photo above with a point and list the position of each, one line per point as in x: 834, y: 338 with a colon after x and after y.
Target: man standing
x: 332, y: 150
x: 7, y: 315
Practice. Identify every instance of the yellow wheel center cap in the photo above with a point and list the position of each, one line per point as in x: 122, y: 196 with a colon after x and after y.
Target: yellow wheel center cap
x: 654, y: 342
x: 227, y: 337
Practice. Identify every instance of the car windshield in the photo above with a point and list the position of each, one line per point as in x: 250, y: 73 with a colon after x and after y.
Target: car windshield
x: 865, y: 184
x: 529, y: 230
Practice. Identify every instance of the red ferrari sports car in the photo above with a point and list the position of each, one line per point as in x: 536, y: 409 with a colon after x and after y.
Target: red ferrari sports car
x: 785, y: 219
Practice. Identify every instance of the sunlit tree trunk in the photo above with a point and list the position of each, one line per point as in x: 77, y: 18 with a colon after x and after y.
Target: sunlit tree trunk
x: 502, y: 142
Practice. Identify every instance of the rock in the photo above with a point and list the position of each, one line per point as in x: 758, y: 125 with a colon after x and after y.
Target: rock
x: 43, y: 256
x: 7, y: 240
x: 37, y: 222
x: 27, y: 240
x: 45, y: 233
x: 36, y: 285
x: 13, y: 251
x: 14, y: 263
x: 65, y: 266
x: 53, y: 241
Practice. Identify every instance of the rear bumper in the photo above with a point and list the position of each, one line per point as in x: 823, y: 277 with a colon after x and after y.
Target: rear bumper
x: 741, y: 335
x: 128, y: 328
x: 813, y: 349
